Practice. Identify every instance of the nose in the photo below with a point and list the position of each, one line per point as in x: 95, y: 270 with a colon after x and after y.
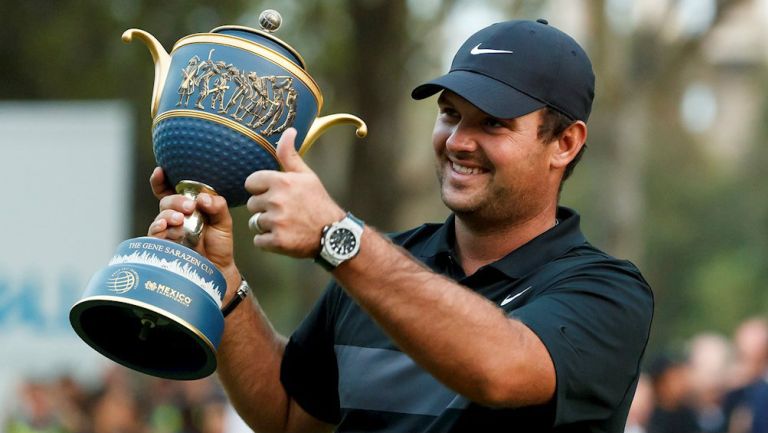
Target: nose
x: 461, y: 139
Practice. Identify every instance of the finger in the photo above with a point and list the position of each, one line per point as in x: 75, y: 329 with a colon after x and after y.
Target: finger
x: 216, y: 209
x: 265, y: 241
x: 159, y: 184
x: 273, y: 242
x: 157, y: 228
x: 178, y: 203
x: 289, y: 159
x: 171, y: 217
x: 256, y: 203
x: 260, y: 223
x: 173, y: 234
x: 162, y: 230
x: 258, y: 182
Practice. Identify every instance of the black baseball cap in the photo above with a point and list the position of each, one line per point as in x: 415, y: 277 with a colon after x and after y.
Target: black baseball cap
x: 513, y: 68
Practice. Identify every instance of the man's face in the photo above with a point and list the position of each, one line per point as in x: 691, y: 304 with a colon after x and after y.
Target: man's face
x: 493, y: 169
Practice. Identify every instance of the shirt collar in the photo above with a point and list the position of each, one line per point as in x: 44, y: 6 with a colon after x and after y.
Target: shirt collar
x: 538, y: 251
x: 441, y: 241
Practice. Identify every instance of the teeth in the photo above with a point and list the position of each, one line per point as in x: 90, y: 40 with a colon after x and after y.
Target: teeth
x: 464, y: 170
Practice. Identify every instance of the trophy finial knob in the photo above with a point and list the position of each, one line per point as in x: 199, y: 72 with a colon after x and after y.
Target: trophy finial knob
x: 270, y: 20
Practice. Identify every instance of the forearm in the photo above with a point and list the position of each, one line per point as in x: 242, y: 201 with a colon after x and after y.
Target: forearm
x: 461, y: 338
x: 249, y: 367
x: 250, y: 352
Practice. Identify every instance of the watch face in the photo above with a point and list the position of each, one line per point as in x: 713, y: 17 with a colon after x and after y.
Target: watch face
x: 342, y: 242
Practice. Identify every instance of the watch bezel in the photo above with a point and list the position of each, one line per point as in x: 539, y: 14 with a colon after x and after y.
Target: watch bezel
x: 327, y: 253
x: 337, y: 254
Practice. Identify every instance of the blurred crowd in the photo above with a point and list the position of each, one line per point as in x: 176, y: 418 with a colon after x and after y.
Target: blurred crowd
x: 123, y: 402
x: 715, y: 385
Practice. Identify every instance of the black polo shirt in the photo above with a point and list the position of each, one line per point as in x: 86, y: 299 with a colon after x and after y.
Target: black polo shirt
x: 592, y: 312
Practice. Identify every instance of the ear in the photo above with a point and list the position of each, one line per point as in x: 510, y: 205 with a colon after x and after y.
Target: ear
x: 569, y: 144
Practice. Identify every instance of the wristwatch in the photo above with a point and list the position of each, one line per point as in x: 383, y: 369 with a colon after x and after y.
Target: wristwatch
x: 340, y: 242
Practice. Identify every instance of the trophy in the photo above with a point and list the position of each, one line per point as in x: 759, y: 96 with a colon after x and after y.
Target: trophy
x: 219, y: 104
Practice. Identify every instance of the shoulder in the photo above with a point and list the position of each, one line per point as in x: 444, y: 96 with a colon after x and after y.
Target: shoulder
x: 588, y: 261
x: 593, y: 313
x: 587, y: 270
x: 584, y: 259
x: 589, y: 283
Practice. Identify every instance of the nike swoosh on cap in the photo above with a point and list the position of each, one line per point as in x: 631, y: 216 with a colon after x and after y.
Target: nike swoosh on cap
x: 477, y: 50
x: 510, y: 298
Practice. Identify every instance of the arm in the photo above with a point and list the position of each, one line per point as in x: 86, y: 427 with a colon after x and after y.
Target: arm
x: 458, y: 336
x: 250, y: 351
x: 249, y: 368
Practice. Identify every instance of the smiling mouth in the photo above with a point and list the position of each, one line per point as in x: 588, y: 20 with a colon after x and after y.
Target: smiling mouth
x: 458, y: 168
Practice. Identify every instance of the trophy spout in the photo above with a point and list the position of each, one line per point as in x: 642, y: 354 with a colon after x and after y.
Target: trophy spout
x: 321, y: 124
x: 161, y: 58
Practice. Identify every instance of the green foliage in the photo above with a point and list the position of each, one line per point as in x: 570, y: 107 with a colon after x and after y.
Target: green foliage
x: 703, y: 224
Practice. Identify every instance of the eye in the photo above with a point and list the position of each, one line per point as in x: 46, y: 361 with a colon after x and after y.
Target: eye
x: 493, y: 122
x: 449, y: 112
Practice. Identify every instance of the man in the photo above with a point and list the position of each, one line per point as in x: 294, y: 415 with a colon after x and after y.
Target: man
x: 745, y: 404
x: 672, y: 411
x: 501, y: 319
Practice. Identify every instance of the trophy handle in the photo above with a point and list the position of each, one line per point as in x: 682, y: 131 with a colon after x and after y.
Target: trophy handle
x: 193, y: 224
x: 321, y: 124
x: 162, y: 62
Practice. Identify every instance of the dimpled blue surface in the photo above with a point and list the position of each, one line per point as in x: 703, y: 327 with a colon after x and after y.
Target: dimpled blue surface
x: 211, y: 153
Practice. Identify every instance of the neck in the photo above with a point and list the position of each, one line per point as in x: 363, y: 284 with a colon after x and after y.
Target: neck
x: 479, y: 244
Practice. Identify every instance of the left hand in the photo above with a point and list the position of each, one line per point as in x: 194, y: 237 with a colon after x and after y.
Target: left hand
x: 294, y: 204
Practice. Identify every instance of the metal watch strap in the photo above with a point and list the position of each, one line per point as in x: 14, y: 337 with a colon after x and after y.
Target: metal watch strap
x: 242, y: 292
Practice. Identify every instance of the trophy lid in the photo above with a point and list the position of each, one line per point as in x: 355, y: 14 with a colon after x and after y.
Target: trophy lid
x: 270, y: 21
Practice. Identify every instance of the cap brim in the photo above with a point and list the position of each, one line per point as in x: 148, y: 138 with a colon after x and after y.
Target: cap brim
x: 487, y: 94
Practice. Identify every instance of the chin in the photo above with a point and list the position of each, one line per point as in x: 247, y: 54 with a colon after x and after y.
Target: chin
x: 463, y: 200
x: 458, y: 204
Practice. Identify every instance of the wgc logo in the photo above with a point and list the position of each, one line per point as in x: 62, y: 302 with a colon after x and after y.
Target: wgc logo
x: 122, y: 280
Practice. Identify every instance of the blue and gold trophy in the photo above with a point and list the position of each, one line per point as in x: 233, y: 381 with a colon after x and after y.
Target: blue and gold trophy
x: 219, y: 104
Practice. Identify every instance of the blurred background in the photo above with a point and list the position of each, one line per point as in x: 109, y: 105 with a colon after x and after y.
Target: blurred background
x: 673, y: 180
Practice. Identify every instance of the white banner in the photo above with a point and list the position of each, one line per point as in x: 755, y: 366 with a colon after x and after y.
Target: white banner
x: 65, y: 170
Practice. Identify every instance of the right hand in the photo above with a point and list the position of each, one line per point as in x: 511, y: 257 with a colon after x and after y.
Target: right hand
x: 216, y: 242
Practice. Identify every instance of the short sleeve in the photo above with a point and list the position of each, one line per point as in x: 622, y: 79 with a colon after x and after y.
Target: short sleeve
x: 595, y: 324
x: 308, y: 370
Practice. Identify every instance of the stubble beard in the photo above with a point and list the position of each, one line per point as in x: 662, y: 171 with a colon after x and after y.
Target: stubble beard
x: 492, y: 204
x: 491, y: 208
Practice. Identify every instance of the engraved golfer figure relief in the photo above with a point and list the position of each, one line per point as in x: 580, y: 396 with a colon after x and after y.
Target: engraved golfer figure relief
x: 255, y: 101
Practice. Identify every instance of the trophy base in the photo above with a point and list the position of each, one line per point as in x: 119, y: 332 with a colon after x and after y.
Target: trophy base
x: 143, y: 338
x: 155, y: 309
